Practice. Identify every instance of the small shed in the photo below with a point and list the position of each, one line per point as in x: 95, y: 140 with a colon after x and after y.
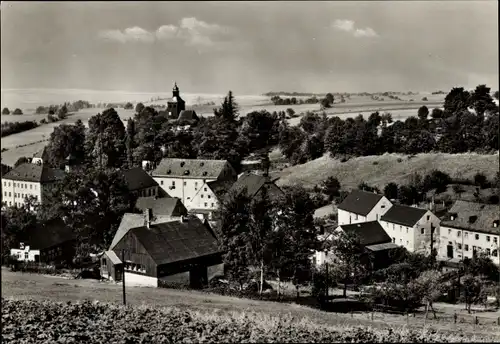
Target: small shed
x: 111, y: 266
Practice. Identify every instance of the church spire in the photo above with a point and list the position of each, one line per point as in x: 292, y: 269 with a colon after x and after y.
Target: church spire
x: 175, y: 91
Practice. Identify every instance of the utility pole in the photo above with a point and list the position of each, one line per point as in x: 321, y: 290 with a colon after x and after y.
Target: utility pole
x: 326, y: 280
x: 123, y: 278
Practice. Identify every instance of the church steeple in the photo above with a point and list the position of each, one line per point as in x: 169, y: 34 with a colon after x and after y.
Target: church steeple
x: 175, y: 90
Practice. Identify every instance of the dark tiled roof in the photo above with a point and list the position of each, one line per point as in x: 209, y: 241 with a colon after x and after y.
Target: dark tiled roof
x: 136, y: 179
x: 474, y: 216
x: 194, y: 168
x: 403, y: 215
x: 369, y: 233
x: 220, y: 187
x: 29, y: 172
x: 188, y: 115
x: 176, y: 241
x: 162, y: 206
x: 130, y: 220
x: 49, y: 235
x: 360, y: 202
x: 253, y: 183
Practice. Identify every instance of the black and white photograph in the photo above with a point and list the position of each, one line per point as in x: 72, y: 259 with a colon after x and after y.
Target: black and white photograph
x: 250, y: 171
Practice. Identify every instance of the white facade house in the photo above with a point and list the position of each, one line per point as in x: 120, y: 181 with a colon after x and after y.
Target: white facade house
x: 361, y: 206
x: 24, y: 253
x: 470, y: 228
x: 29, y: 179
x: 412, y: 228
x: 187, y: 180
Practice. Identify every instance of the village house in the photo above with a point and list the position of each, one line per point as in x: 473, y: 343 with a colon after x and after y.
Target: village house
x: 181, y: 252
x: 187, y: 179
x: 362, y: 206
x: 467, y: 229
x: 33, y: 178
x: 53, y: 242
x: 166, y: 206
x: 140, y: 183
x: 413, y: 228
x: 371, y: 236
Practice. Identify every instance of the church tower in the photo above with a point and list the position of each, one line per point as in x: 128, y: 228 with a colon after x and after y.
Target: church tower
x: 176, y: 104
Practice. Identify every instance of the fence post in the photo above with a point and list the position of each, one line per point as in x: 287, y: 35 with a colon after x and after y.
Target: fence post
x: 455, y: 317
x: 498, y: 318
x: 498, y: 321
x: 477, y: 321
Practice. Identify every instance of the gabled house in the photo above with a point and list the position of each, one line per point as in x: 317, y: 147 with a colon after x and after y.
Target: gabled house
x: 370, y: 234
x: 140, y: 183
x: 254, y: 184
x: 52, y: 242
x: 166, y: 206
x: 362, y: 206
x: 181, y: 252
x: 469, y: 228
x: 413, y: 228
x: 29, y: 179
x: 187, y: 178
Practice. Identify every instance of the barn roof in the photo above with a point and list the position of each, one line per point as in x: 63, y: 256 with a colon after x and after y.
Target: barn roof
x: 136, y: 179
x: 403, y: 215
x: 193, y: 168
x: 176, y: 241
x: 369, y: 233
x: 253, y: 184
x: 162, y: 206
x: 29, y: 172
x: 474, y: 217
x: 360, y: 202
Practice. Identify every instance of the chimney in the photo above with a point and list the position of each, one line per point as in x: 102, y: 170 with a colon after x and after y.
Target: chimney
x: 148, y: 215
x: 184, y: 219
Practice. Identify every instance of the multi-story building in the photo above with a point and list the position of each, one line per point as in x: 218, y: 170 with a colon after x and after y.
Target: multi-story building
x: 470, y: 228
x: 361, y: 206
x: 140, y: 183
x: 187, y: 179
x: 29, y: 179
x: 414, y: 228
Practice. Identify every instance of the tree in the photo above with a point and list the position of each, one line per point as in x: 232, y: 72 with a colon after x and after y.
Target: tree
x: 325, y: 104
x: 331, y: 188
x: 234, y: 236
x: 481, y: 180
x: 62, y: 113
x: 437, y: 113
x: 436, y: 180
x: 408, y: 195
x: 329, y: 97
x: 139, y: 107
x: 391, y: 191
x: 16, y: 222
x: 129, y: 106
x: 130, y: 144
x: 431, y: 288
x: 473, y: 291
x: 352, y: 262
x: 229, y: 108
x: 290, y: 112
x: 365, y: 187
x: 5, y: 111
x: 66, y: 140
x: 482, y: 101
x: 456, y: 100
x: 423, y: 113
x: 20, y: 161
x: 495, y: 95
x: 17, y: 112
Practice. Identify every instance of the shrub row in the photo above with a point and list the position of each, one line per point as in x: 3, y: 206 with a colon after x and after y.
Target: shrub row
x: 25, y: 321
x: 9, y: 128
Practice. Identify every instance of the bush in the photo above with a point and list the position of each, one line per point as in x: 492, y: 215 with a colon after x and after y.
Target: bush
x: 17, y: 112
x: 5, y: 111
x: 481, y: 180
x: 424, y: 99
x: 493, y: 199
x: 9, y: 128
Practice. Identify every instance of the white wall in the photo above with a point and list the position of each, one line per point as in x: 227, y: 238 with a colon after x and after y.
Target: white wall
x: 463, y: 242
x: 21, y: 254
x: 185, y: 188
x: 346, y: 218
x: 132, y: 279
x: 204, y: 198
x: 14, y: 191
x: 400, y: 235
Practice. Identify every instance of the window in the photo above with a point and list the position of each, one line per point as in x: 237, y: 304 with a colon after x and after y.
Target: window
x: 466, y: 247
x: 422, y: 230
x: 428, y: 217
x: 185, y: 183
x: 382, y: 206
x: 201, y: 196
x: 495, y: 240
x: 205, y: 189
x: 356, y: 217
x: 400, y: 228
x: 407, y: 229
x: 488, y: 252
x: 393, y: 240
x: 161, y: 182
x: 10, y: 194
x: 25, y: 186
x: 208, y: 196
x: 466, y: 235
x: 407, y: 243
x: 104, y: 262
x: 449, y: 230
x: 459, y: 246
x: 195, y: 184
x: 458, y: 233
x: 400, y: 241
x: 212, y: 205
x: 31, y: 187
x: 393, y: 226
x: 9, y: 183
x: 189, y: 198
x: 494, y: 253
x: 206, y: 204
x: 477, y: 236
x: 488, y: 238
x: 25, y: 255
x: 173, y: 182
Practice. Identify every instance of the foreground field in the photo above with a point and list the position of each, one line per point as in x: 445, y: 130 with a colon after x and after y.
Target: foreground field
x: 381, y: 170
x: 49, y: 322
x: 44, y: 288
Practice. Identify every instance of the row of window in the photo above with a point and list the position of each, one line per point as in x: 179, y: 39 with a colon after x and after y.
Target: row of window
x: 20, y: 185
x: 148, y: 192
x: 422, y: 230
x: 21, y: 195
x: 488, y: 251
x: 466, y: 235
x: 17, y: 204
x: 185, y: 183
x: 135, y: 267
x: 400, y: 241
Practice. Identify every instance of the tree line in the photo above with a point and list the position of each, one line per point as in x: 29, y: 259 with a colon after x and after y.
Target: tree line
x: 9, y: 128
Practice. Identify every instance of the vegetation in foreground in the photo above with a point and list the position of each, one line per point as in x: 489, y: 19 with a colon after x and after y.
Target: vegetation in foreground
x: 98, y: 323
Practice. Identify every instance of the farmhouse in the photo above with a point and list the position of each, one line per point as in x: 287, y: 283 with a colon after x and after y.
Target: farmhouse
x: 414, y: 228
x: 180, y: 252
x: 29, y: 179
x: 362, y: 206
x: 140, y: 183
x: 52, y: 242
x: 187, y: 179
x: 254, y: 184
x: 370, y: 234
x: 166, y: 206
x: 469, y: 228
x: 176, y: 104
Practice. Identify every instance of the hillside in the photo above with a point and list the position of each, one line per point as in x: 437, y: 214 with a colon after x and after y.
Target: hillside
x: 381, y: 170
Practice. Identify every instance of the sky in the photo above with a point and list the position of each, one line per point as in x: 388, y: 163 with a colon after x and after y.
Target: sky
x: 250, y: 47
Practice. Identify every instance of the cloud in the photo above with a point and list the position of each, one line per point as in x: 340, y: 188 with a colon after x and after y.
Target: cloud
x: 191, y: 31
x: 347, y: 25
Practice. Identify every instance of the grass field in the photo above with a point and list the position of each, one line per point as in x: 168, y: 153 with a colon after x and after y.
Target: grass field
x: 381, y: 170
x: 38, y: 287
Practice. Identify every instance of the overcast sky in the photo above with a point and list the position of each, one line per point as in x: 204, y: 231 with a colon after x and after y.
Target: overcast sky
x: 250, y: 47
